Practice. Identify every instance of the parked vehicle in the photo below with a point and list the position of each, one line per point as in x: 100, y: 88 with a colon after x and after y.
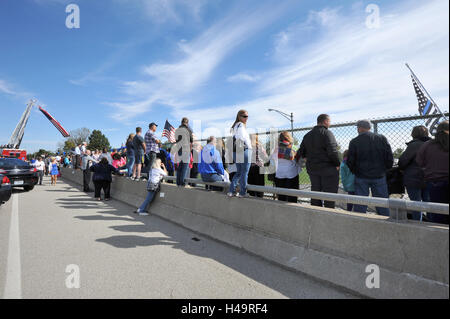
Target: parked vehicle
x: 13, y: 153
x: 20, y: 173
x: 5, y: 189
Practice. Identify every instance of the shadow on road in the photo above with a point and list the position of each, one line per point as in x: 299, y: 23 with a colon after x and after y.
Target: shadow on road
x: 254, y: 267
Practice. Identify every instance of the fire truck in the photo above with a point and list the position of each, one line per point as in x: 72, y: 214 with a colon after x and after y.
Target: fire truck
x: 11, y: 152
x: 12, y: 148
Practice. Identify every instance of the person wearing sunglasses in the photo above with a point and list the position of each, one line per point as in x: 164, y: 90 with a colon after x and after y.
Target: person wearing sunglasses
x: 242, y: 150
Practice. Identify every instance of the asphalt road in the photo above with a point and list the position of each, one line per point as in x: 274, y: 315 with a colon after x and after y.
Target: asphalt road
x: 55, y: 237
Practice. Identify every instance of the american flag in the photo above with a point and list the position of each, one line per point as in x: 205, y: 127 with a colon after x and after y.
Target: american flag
x: 54, y: 122
x: 169, y: 132
x: 426, y: 107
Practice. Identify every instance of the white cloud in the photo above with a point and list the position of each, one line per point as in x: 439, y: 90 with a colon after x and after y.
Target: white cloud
x: 168, y: 11
x: 343, y: 69
x: 98, y: 74
x: 13, y: 91
x: 350, y: 71
x: 243, y: 77
x: 172, y: 83
x: 6, y: 88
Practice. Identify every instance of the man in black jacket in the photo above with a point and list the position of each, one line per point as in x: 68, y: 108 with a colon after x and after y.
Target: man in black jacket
x: 369, y: 157
x: 319, y: 148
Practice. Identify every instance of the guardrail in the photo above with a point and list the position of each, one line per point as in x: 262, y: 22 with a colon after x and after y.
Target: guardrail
x: 398, y: 207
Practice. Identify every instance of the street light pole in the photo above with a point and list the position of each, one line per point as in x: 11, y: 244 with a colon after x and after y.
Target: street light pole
x: 287, y: 116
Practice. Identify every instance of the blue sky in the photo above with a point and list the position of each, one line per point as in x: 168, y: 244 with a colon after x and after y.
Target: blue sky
x: 132, y: 62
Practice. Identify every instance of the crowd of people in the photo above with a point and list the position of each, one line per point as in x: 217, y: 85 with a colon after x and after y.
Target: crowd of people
x: 242, y: 160
x: 47, y: 165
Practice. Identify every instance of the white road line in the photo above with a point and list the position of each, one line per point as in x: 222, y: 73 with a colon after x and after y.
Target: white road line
x: 13, y: 286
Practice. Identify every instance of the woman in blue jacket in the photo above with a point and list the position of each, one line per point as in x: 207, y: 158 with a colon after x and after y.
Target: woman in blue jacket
x: 211, y: 166
x: 102, y: 178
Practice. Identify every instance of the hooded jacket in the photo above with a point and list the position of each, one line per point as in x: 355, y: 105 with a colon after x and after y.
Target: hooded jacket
x: 210, y: 161
x: 413, y: 175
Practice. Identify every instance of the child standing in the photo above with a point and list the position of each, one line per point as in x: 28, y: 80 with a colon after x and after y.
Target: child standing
x: 53, y: 169
x: 156, y: 174
x: 348, y: 179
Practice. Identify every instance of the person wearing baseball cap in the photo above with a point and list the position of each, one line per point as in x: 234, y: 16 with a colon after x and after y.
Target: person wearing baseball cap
x: 369, y: 157
x: 153, y: 145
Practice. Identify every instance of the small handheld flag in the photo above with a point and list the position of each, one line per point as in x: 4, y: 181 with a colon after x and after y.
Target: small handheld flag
x: 169, y: 132
x: 54, y: 122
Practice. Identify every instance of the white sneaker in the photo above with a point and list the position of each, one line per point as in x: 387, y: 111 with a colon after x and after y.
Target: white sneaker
x: 243, y: 196
x: 143, y: 214
x: 230, y: 194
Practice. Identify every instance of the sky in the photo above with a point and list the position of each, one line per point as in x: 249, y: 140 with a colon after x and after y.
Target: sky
x: 132, y: 62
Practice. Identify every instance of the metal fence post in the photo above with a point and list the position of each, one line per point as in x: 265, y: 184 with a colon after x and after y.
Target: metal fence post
x: 397, y: 210
x: 375, y: 127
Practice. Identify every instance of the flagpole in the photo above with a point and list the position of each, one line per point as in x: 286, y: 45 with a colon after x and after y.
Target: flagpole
x: 428, y: 94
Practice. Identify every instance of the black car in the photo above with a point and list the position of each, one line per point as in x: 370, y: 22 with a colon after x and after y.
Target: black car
x: 20, y: 173
x: 5, y: 189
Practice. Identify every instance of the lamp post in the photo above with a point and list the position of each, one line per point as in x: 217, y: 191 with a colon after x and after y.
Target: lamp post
x: 287, y: 116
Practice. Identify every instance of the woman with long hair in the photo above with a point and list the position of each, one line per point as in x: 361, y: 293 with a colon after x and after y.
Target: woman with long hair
x: 413, y: 178
x: 287, y: 166
x: 433, y: 158
x: 242, y: 154
x: 53, y: 169
x: 130, y: 154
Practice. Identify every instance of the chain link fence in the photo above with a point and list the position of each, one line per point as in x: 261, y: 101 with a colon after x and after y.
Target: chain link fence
x: 396, y: 129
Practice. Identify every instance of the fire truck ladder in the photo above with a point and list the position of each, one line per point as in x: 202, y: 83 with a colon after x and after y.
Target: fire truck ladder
x: 17, y: 135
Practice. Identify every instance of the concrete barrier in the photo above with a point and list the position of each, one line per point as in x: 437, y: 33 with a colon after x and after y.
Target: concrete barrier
x: 329, y: 245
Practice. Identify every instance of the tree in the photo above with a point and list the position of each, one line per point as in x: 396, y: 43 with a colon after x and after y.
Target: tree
x: 398, y: 152
x: 79, y: 135
x: 68, y: 145
x: 40, y: 153
x: 76, y: 137
x: 98, y: 141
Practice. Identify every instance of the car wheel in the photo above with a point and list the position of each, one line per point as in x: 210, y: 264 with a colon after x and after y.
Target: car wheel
x: 28, y: 188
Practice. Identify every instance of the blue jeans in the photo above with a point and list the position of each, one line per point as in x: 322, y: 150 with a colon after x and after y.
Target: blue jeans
x: 241, y: 175
x: 150, y: 197
x: 213, y: 177
x: 379, y: 188
x: 130, y: 163
x: 350, y: 206
x: 438, y: 194
x: 182, y: 171
x: 420, y: 195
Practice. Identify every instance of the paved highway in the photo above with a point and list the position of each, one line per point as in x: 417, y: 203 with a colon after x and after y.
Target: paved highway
x: 55, y: 237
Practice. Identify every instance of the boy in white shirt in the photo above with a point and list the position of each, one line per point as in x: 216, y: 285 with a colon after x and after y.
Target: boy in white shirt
x: 40, y: 167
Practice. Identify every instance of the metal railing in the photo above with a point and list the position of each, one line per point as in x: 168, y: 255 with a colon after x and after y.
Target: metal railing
x: 398, y: 207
